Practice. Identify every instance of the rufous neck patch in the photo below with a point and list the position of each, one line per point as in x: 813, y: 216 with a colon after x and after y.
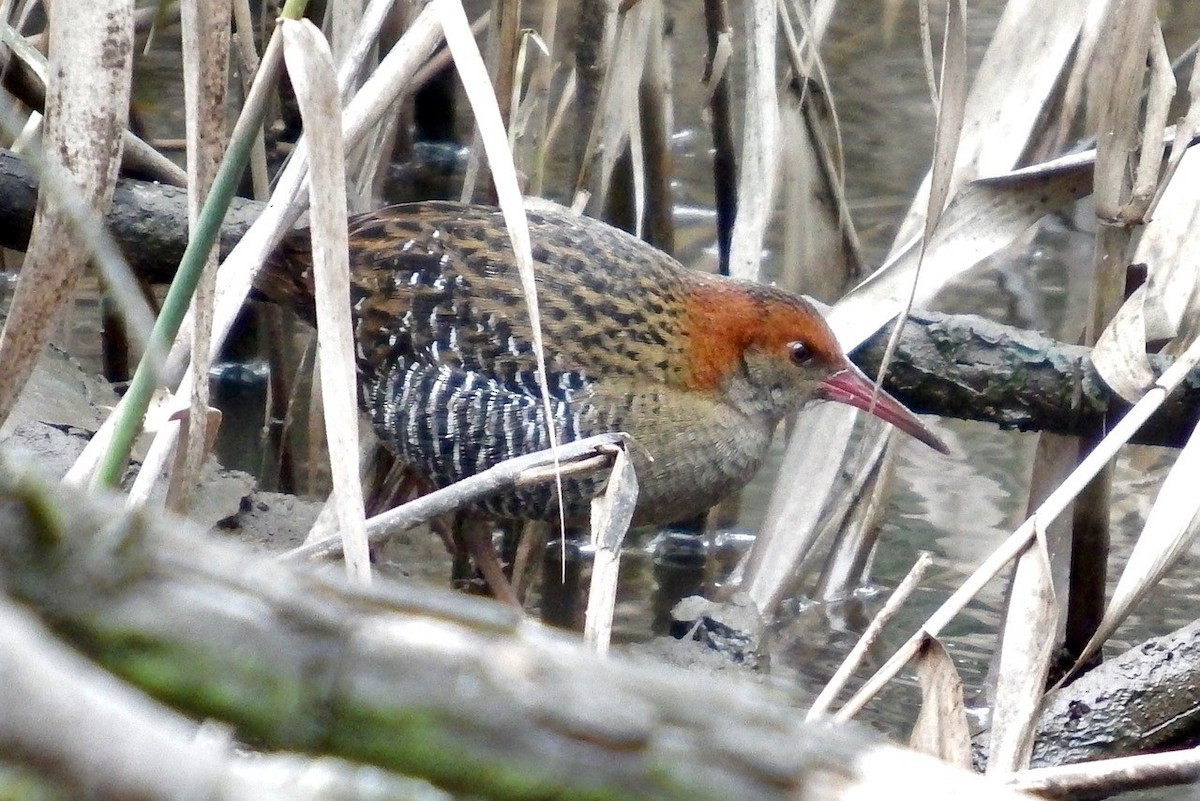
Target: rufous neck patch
x: 723, y: 318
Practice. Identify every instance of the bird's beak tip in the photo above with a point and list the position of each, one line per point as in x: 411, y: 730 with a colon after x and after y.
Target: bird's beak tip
x: 851, y: 386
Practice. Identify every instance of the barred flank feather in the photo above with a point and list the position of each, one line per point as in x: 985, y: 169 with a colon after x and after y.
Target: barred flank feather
x: 455, y: 423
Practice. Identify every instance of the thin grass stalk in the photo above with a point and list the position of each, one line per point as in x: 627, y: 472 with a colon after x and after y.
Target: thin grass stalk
x: 595, y: 33
x: 814, y: 23
x: 343, y: 23
x: 1079, y: 76
x: 1105, y: 778
x: 611, y: 515
x: 1160, y: 92
x: 505, y: 77
x: 1054, y: 457
x: 344, y: 16
x: 949, y: 96
x: 1121, y: 67
x: 822, y: 136
x: 617, y: 189
x: 1184, y: 130
x: 857, y: 530
x: 813, y: 254
x: 441, y: 59
x: 470, y: 187
x: 565, y: 102
x: 289, y: 437
x: 516, y: 121
x: 630, y: 169
x: 22, y: 13
x: 927, y: 51
x: 248, y: 63
x: 720, y: 106
x: 537, y: 128
x: 615, y: 127
x: 1090, y: 543
x: 575, y: 458
x: 531, y: 545
x: 25, y: 127
x: 370, y: 23
x: 654, y: 99
x: 311, y: 68
x: 6, y: 10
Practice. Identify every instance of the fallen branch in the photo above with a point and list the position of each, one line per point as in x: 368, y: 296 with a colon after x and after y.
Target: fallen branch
x: 951, y: 365
x: 1147, y: 698
x: 119, y: 740
x: 432, y: 684
x: 971, y: 368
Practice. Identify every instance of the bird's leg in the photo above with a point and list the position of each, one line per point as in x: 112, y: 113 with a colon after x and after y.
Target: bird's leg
x: 510, y: 539
x: 444, y: 528
x: 532, y: 542
x: 384, y: 482
x: 564, y: 583
x: 463, y: 575
x: 393, y: 483
x: 476, y: 534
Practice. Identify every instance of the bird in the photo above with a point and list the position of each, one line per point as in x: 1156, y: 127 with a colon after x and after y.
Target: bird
x: 697, y: 369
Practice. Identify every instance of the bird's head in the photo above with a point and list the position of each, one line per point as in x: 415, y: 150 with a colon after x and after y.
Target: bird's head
x: 770, y: 352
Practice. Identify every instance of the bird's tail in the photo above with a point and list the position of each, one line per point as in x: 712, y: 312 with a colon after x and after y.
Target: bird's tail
x: 286, y: 276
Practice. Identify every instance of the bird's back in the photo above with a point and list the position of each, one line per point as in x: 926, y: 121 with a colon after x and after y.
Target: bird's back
x: 436, y: 282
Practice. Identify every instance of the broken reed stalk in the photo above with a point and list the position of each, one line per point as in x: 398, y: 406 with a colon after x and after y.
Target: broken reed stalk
x: 572, y: 458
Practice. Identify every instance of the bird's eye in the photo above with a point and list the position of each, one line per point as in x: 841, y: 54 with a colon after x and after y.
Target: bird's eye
x: 799, y: 352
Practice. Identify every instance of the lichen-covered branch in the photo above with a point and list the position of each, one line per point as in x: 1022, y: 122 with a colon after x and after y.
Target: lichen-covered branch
x: 1145, y: 699
x: 971, y: 368
x: 459, y: 691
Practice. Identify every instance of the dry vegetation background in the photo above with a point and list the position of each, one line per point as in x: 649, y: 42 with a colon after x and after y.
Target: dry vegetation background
x: 573, y: 101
